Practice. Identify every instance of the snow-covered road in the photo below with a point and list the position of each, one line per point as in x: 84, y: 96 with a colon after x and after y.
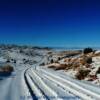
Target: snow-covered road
x: 15, y: 87
x: 51, y: 85
x: 40, y: 83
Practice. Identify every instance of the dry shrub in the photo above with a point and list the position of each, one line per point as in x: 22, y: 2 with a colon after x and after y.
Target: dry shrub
x: 88, y: 65
x: 68, y: 66
x: 82, y: 62
x: 61, y: 67
x: 57, y: 66
x: 72, y: 63
x: 7, y: 68
x: 53, y: 65
x: 67, y: 60
x: 74, y: 60
x: 76, y: 65
x: 92, y: 77
x: 82, y: 73
x: 96, y: 54
x: 98, y: 71
x: 87, y: 59
x: 42, y: 64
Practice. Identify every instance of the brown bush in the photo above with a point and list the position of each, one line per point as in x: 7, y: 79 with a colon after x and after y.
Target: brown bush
x: 88, y: 65
x: 67, y: 60
x: 53, y: 65
x: 96, y: 54
x: 7, y: 68
x: 76, y: 65
x: 92, y: 77
x: 61, y: 67
x: 68, y: 66
x: 82, y: 61
x: 98, y: 71
x: 87, y: 59
x: 57, y: 66
x: 74, y: 60
x: 82, y: 73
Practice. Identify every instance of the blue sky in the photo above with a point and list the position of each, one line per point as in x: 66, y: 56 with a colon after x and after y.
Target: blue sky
x: 50, y: 22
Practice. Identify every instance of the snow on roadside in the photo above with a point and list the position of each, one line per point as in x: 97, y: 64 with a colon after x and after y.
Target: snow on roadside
x: 2, y: 60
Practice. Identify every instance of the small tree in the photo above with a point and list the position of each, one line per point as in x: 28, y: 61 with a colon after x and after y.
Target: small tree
x: 87, y: 50
x: 51, y: 61
x: 59, y: 58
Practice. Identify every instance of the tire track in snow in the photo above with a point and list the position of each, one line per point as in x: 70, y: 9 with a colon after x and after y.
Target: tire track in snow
x: 83, y: 93
x: 37, y: 93
x: 29, y: 87
x: 61, y: 92
x: 43, y: 93
x: 84, y: 84
x: 45, y: 89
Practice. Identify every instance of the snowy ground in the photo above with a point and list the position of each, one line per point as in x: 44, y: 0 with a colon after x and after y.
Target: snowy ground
x: 30, y: 81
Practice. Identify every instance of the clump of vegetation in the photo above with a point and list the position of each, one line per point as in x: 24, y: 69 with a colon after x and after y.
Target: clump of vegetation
x: 87, y: 50
x: 14, y: 61
x: 21, y: 51
x: 51, y: 61
x: 42, y: 64
x: 82, y: 73
x: 87, y: 60
x: 57, y: 66
x: 98, y: 71
x: 61, y: 67
x: 8, y: 61
x: 7, y: 68
x: 59, y: 58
